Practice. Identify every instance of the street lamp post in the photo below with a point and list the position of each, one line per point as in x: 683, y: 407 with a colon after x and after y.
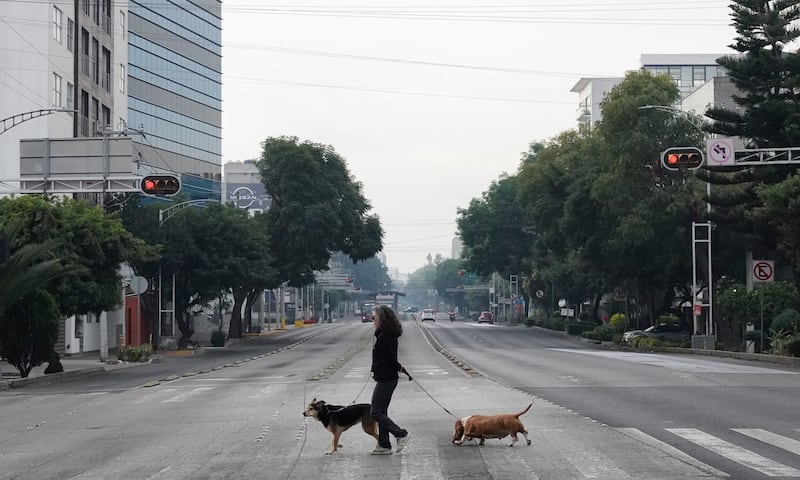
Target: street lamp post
x: 164, y: 215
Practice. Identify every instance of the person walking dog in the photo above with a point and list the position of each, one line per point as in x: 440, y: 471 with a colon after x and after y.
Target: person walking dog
x: 385, y: 368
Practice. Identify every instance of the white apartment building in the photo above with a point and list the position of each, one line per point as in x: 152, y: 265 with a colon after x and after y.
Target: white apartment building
x: 689, y: 71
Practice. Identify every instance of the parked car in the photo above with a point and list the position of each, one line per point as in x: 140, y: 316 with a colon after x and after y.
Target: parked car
x: 428, y: 314
x: 670, y: 332
x: 486, y: 316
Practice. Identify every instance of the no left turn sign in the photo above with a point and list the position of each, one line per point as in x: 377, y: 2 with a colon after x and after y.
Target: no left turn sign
x: 763, y: 270
x: 719, y: 151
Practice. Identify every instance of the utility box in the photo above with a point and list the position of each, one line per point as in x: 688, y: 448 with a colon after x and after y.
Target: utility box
x: 704, y: 342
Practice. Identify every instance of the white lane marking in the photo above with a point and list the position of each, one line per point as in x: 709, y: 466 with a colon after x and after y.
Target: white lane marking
x: 677, y: 363
x: 786, y: 443
x: 148, y: 397
x: 739, y: 455
x: 359, y: 372
x: 249, y: 379
x: 183, y: 396
x: 174, y: 472
x: 671, y: 451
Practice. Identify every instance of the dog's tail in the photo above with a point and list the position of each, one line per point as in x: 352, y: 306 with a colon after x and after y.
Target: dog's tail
x: 524, y: 411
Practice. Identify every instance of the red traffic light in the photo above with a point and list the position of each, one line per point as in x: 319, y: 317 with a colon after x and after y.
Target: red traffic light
x: 680, y: 158
x: 160, y: 185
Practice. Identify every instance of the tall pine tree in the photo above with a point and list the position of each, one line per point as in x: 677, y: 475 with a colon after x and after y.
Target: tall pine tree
x: 767, y: 115
x: 767, y: 75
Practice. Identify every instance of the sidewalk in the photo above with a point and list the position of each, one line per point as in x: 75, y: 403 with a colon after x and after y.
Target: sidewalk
x: 74, y: 365
x: 88, y: 363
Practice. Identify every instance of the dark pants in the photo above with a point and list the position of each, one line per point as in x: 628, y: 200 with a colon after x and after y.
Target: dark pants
x: 381, y: 397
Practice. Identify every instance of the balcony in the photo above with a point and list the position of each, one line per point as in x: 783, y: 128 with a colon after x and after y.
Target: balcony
x: 584, y: 114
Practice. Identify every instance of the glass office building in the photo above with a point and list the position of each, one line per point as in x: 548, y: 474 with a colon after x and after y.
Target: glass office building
x: 175, y: 89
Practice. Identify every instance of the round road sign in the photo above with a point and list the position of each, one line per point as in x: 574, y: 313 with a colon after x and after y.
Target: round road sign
x: 763, y: 271
x: 720, y: 151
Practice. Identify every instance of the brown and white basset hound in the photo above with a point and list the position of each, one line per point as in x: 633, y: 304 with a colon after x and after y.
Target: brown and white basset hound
x: 490, y: 426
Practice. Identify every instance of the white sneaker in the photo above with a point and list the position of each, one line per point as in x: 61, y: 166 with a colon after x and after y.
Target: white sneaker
x: 402, y: 441
x: 381, y: 451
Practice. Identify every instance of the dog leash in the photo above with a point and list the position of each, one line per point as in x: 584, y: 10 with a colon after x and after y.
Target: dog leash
x: 403, y: 369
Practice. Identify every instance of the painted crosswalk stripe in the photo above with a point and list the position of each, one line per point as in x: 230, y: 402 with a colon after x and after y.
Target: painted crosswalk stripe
x: 734, y: 453
x: 786, y: 443
x: 671, y: 451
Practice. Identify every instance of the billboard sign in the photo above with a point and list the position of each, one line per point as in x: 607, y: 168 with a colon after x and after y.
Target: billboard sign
x: 249, y: 196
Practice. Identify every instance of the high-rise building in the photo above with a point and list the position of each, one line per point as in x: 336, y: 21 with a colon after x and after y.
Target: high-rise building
x: 59, y: 55
x: 175, y: 89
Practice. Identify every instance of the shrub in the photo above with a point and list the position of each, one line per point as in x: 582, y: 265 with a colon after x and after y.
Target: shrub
x: 218, y: 338
x: 578, y: 328
x: 134, y: 354
x: 669, y: 319
x: 618, y: 322
x: 787, y: 321
x: 602, y: 333
x: 793, y: 347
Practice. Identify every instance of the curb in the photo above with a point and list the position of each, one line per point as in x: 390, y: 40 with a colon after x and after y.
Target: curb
x: 50, y: 378
x: 753, y: 357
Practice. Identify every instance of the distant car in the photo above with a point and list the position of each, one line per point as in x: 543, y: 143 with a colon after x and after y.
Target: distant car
x: 366, y: 317
x: 411, y: 309
x: 669, y: 332
x: 428, y: 314
x: 486, y: 316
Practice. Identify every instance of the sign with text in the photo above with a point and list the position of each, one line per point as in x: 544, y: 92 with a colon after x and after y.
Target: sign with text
x: 249, y: 196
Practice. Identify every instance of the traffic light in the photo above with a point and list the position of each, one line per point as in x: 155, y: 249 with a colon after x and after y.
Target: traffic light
x: 682, y: 158
x: 160, y: 185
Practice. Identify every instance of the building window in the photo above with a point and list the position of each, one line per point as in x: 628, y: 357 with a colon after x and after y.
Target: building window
x: 58, y: 26
x: 70, y: 35
x: 84, y: 52
x: 95, y: 117
x: 70, y: 97
x: 84, y: 127
x: 106, y: 117
x: 106, y: 79
x: 122, y: 78
x: 95, y: 61
x: 122, y: 27
x: 56, y: 90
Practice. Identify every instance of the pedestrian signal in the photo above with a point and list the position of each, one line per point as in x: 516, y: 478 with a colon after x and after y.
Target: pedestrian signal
x: 160, y: 185
x: 682, y: 158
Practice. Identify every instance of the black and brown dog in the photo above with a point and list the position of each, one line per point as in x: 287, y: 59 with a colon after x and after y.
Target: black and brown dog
x: 338, y: 418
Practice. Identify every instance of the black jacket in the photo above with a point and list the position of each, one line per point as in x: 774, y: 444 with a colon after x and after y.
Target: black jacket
x: 384, y: 356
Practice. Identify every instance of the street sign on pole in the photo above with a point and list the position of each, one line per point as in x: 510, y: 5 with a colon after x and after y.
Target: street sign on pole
x: 720, y: 152
x: 763, y: 271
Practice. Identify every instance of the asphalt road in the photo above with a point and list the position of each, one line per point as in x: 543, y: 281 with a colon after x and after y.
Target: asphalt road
x: 236, y: 412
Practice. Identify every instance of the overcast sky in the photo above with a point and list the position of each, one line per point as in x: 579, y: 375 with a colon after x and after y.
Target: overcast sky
x: 430, y: 102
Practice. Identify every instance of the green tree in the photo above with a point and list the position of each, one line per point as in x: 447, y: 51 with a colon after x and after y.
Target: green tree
x: 26, y: 268
x: 765, y: 115
x: 317, y: 209
x: 95, y: 242
x: 493, y: 230
x: 29, y: 331
x: 781, y: 209
x: 235, y: 246
x: 765, y: 74
x: 371, y: 275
